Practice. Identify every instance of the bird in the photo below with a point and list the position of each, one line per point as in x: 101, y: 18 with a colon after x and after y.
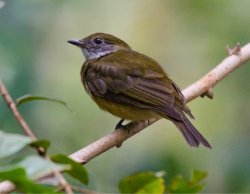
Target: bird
x: 133, y: 86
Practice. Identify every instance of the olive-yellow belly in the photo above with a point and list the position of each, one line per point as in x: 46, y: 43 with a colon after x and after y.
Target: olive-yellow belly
x: 125, y: 111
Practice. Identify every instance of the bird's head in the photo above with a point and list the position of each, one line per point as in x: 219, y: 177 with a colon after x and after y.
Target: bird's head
x: 99, y: 44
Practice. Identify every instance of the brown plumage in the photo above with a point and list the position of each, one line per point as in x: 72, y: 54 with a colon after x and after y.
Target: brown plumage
x: 133, y: 86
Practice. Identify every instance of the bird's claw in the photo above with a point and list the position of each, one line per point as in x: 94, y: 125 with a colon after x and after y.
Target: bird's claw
x: 120, y: 125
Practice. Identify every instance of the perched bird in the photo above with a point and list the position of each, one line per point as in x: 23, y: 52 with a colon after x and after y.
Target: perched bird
x: 132, y: 86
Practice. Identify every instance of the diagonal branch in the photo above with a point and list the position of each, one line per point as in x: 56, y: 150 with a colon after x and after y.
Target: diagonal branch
x: 201, y: 87
x: 9, y: 101
x: 27, y: 130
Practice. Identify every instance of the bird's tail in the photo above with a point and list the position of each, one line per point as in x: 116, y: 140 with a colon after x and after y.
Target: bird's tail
x: 190, y: 133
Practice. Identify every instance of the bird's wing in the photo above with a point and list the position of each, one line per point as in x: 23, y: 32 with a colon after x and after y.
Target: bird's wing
x: 135, y: 87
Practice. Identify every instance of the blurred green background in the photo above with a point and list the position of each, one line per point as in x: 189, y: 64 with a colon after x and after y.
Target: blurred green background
x: 187, y: 37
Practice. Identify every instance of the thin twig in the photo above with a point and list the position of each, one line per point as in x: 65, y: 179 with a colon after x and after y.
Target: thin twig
x: 11, y: 104
x: 81, y: 190
x: 27, y: 130
x: 9, y: 101
x: 63, y: 182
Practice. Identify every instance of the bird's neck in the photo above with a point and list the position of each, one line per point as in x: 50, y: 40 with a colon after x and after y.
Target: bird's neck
x: 95, y: 55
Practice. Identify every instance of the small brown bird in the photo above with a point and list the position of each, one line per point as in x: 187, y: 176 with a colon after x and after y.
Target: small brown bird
x: 132, y: 86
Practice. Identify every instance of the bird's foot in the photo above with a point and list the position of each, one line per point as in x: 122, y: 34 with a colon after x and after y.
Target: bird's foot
x: 120, y: 125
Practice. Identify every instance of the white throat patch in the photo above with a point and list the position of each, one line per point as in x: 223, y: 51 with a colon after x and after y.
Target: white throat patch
x: 93, y: 55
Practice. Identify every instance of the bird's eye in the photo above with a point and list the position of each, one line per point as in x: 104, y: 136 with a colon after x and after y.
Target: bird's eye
x: 98, y: 40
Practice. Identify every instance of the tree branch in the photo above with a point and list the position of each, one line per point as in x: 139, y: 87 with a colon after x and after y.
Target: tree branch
x: 11, y: 104
x: 27, y: 130
x: 201, y: 87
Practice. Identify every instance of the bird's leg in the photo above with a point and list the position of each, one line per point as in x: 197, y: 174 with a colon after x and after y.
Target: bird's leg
x: 127, y: 127
x: 119, y: 124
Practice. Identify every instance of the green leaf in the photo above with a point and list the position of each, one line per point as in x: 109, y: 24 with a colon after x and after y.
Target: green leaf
x: 37, y: 166
x: 194, y: 185
x: 31, y: 168
x: 41, y: 143
x: 18, y: 176
x: 12, y: 143
x: 143, y: 182
x: 77, y: 170
x: 179, y: 185
x: 28, y: 98
x: 198, y: 176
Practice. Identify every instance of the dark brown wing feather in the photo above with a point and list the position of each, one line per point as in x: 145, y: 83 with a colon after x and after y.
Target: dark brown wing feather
x: 140, y: 91
x: 128, y: 82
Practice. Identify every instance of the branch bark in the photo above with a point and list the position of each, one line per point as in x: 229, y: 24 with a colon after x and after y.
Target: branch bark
x: 117, y: 137
x: 199, y: 88
x: 11, y: 104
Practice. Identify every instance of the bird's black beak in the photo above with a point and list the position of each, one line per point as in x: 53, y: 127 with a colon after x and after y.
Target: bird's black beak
x: 75, y: 42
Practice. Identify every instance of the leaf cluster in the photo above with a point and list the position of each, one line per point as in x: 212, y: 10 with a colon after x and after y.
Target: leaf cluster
x: 26, y: 172
x: 151, y: 182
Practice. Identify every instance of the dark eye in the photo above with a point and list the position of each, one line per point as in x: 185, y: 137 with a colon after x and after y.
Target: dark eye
x: 98, y: 40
